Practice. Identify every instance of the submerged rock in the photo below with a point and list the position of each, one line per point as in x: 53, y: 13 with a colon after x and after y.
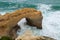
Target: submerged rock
x: 8, y: 22
x: 29, y: 36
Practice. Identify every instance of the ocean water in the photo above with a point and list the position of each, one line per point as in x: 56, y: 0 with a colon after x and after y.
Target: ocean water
x: 51, y: 17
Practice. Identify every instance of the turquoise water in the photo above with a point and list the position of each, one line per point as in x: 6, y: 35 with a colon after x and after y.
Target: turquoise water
x: 50, y: 11
x: 13, y: 6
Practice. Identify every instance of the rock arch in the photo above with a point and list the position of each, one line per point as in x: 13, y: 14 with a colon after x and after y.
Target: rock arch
x: 9, y: 20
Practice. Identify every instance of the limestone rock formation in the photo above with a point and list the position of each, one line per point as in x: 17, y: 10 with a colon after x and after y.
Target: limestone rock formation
x: 8, y: 22
x: 10, y: 32
x: 28, y: 36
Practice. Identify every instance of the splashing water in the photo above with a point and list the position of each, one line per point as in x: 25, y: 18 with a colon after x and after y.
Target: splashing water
x: 44, y: 9
x: 51, y: 23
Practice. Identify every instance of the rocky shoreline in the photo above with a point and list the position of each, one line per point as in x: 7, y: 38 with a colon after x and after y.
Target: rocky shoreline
x: 29, y: 36
x: 9, y: 26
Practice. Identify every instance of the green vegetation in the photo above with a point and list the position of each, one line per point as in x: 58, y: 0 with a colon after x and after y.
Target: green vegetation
x: 6, y: 38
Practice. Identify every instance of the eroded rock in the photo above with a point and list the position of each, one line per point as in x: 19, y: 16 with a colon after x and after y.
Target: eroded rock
x: 11, y: 32
x: 35, y: 19
x: 8, y: 22
x: 29, y: 36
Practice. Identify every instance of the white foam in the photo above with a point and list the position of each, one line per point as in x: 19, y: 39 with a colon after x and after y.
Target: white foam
x: 2, y: 13
x: 52, y: 24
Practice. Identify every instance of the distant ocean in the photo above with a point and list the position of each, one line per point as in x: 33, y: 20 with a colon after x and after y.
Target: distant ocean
x: 11, y: 6
x: 51, y: 17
